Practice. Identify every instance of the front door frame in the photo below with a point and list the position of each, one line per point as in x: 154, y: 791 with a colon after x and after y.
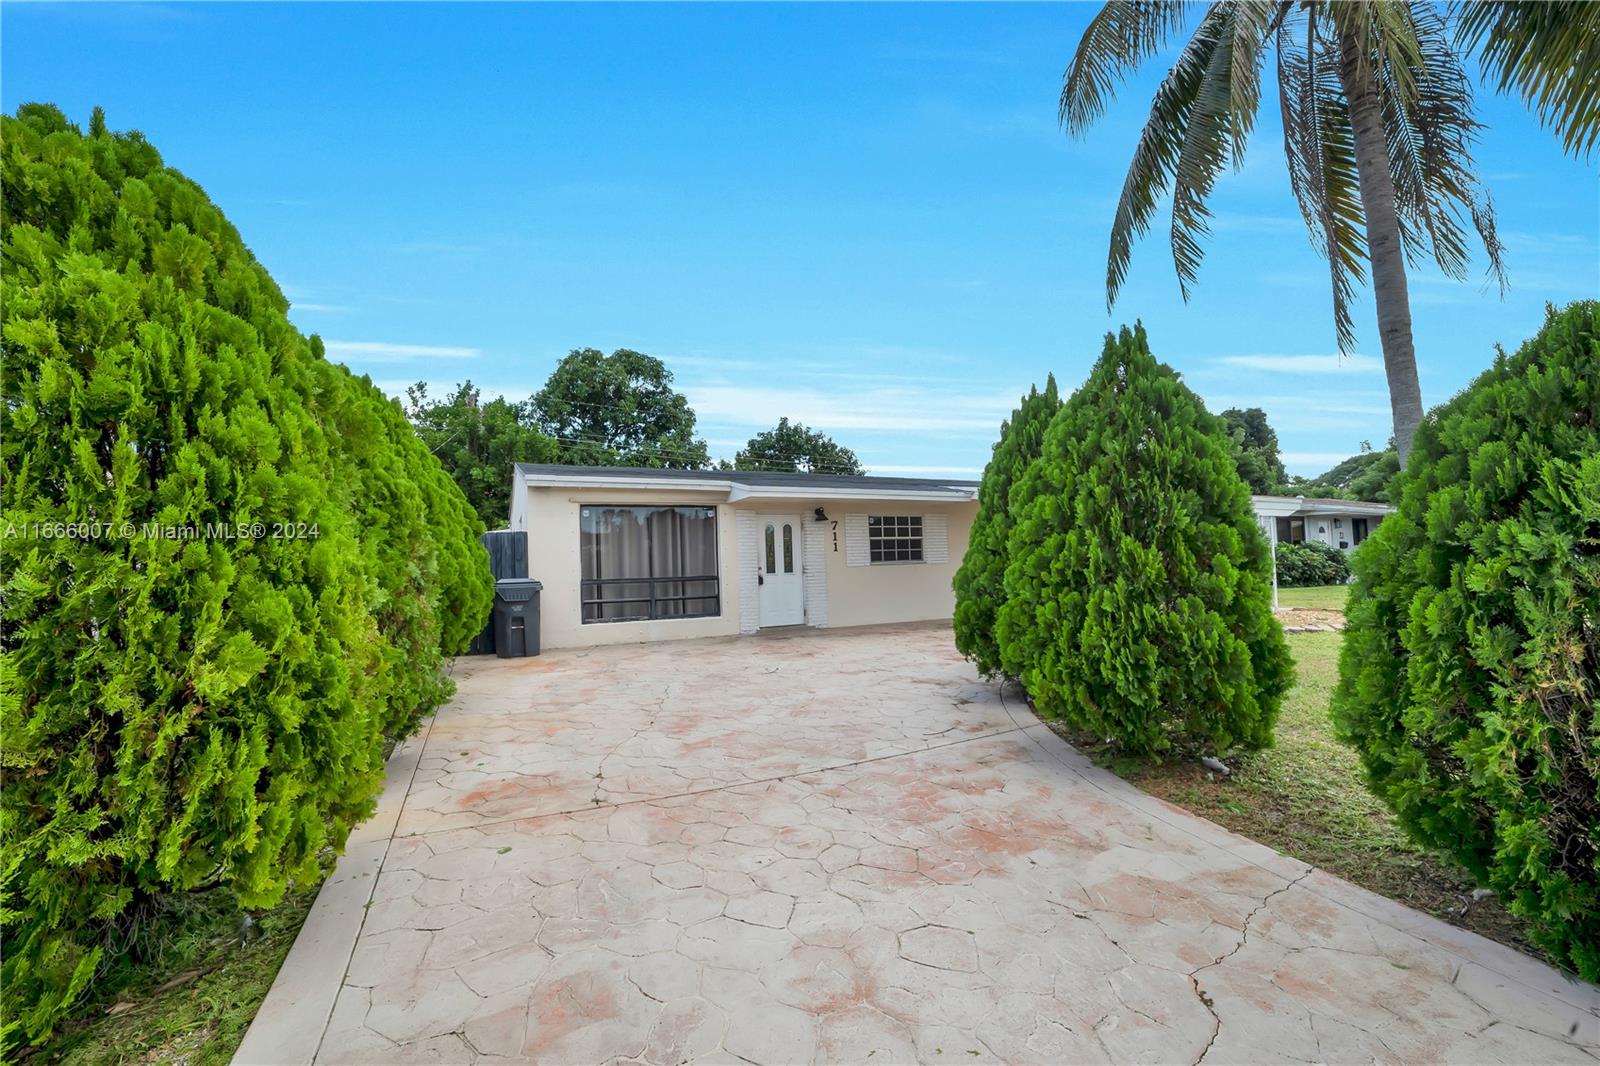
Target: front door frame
x: 784, y: 591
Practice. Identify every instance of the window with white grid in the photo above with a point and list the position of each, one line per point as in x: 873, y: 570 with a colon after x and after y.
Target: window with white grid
x: 894, y: 538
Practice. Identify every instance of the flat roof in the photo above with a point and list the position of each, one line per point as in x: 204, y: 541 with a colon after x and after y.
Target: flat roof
x: 1316, y: 504
x: 745, y: 484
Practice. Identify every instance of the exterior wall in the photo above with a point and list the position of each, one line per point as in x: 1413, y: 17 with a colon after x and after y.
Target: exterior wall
x: 553, y: 559
x: 894, y: 592
x: 1319, y: 527
x: 1337, y: 526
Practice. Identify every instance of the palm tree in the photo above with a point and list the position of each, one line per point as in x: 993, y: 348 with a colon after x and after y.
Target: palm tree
x: 1377, y: 127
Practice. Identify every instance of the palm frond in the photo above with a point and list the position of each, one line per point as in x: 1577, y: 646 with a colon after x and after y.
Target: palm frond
x: 1320, y: 148
x: 1429, y: 134
x: 1122, y: 35
x: 1218, y: 126
x: 1546, y: 51
x: 1155, y: 158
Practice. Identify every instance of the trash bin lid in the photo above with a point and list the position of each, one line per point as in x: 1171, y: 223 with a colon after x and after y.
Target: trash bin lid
x: 516, y: 589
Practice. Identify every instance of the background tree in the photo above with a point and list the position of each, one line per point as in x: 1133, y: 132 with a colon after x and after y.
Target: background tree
x: 1377, y: 127
x: 478, y: 443
x: 1364, y: 476
x: 1138, y: 591
x: 791, y: 446
x: 1259, y: 462
x: 1469, y: 681
x: 980, y: 580
x: 618, y: 410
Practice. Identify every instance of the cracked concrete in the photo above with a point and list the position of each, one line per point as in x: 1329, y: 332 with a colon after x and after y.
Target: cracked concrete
x: 844, y: 847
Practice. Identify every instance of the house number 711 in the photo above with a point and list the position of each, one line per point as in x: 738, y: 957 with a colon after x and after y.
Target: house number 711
x: 834, y: 527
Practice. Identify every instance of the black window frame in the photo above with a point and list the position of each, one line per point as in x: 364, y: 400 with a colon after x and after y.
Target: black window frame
x: 1360, y: 529
x: 1286, y: 528
x: 895, y: 538
x: 651, y: 580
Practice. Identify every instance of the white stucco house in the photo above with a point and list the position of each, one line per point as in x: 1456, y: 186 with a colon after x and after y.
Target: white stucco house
x: 628, y: 554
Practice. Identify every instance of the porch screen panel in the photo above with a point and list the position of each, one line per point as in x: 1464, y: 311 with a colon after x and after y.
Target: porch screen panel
x: 648, y: 562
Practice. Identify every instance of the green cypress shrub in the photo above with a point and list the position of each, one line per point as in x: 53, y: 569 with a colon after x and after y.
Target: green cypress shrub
x: 1311, y: 563
x: 187, y: 709
x: 980, y: 580
x: 1138, y: 595
x: 1471, y: 664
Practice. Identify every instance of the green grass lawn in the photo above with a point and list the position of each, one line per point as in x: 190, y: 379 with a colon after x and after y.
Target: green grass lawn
x: 192, y: 998
x: 1305, y: 797
x: 1321, y: 597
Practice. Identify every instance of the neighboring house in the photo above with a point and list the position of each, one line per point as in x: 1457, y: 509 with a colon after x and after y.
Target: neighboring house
x: 629, y: 554
x: 1297, y: 519
x: 1336, y: 523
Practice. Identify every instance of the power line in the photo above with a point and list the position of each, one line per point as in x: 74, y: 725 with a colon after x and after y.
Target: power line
x: 835, y: 468
x: 657, y: 451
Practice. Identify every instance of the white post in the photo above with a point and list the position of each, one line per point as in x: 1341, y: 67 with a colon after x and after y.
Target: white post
x: 1272, y: 544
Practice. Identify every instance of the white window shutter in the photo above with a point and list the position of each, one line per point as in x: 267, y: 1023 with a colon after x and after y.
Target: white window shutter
x: 856, y: 552
x: 935, y: 539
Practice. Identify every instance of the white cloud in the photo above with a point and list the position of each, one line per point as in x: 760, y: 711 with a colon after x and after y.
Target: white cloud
x: 1306, y: 364
x: 383, y: 351
x: 1245, y: 223
x: 1314, y: 461
x: 918, y: 471
x: 905, y: 407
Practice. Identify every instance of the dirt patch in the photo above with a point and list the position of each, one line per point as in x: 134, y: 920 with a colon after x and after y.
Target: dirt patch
x: 1310, y: 620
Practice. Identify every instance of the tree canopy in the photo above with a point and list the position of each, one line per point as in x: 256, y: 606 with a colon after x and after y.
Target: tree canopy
x: 618, y: 410
x: 1138, y: 587
x: 1469, y: 680
x: 1364, y: 476
x: 1259, y: 462
x: 792, y: 446
x: 980, y: 580
x: 478, y: 443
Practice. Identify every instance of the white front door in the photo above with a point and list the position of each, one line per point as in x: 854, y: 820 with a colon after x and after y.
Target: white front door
x: 783, y: 595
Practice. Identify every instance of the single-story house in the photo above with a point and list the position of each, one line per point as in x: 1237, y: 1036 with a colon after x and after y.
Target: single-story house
x: 629, y: 554
x: 1339, y: 524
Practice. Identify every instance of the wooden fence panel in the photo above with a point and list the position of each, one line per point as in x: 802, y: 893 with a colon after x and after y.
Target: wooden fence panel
x: 508, y: 557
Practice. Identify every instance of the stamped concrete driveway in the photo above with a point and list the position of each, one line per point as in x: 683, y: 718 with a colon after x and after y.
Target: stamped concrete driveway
x: 842, y: 847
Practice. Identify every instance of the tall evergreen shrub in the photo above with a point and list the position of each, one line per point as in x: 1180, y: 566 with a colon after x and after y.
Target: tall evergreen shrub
x: 1471, y: 665
x: 1138, y: 595
x: 980, y: 580
x: 182, y: 706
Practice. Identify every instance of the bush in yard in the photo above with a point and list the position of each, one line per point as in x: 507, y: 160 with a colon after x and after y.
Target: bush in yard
x: 1471, y: 663
x: 980, y: 580
x: 1311, y: 563
x: 1138, y: 593
x: 185, y: 706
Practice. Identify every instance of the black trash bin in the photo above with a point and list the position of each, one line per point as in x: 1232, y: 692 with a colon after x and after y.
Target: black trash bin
x: 516, y: 617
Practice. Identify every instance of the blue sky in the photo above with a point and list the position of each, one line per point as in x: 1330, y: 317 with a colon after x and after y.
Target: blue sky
x: 863, y: 217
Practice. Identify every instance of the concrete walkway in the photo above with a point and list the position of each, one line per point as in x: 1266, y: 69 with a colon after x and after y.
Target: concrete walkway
x: 842, y: 847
